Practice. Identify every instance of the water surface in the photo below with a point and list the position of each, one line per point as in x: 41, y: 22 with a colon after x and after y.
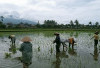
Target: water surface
x: 84, y: 55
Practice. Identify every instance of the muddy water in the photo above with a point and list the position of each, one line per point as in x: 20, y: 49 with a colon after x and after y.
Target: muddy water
x: 83, y: 55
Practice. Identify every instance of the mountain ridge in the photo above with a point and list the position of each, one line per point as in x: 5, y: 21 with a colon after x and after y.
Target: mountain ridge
x: 17, y: 21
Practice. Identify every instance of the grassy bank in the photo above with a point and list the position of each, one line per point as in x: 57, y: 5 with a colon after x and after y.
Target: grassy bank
x: 32, y: 30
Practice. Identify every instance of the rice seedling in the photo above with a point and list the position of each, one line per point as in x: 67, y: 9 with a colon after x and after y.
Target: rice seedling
x: 7, y: 55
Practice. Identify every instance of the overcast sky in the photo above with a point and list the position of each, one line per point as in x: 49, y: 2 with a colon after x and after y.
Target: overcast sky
x: 61, y: 11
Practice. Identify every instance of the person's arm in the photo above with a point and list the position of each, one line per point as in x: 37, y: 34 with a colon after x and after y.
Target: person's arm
x: 91, y: 37
x: 57, y: 39
x: 54, y: 41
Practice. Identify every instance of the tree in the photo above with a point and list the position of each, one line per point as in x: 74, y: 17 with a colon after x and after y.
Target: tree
x: 2, y: 18
x: 90, y: 24
x: 71, y: 23
x: 1, y: 23
x: 38, y: 25
x: 50, y: 23
x: 76, y: 23
x: 96, y: 24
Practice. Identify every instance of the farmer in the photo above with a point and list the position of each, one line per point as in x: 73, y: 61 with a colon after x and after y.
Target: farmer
x: 71, y: 41
x: 13, y: 39
x: 63, y: 42
x: 26, y: 49
x: 96, y: 38
x: 57, y: 41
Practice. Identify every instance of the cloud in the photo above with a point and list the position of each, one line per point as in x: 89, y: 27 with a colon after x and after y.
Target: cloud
x: 60, y: 10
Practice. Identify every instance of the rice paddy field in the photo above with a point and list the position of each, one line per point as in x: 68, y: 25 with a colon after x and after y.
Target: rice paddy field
x: 83, y: 55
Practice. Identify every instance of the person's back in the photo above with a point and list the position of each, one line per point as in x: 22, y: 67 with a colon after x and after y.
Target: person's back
x: 96, y: 37
x: 26, y: 49
x: 13, y: 39
x: 71, y: 40
x: 57, y: 40
x: 26, y: 46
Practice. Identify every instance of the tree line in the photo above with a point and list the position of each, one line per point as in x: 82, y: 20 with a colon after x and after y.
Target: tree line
x: 51, y: 24
x: 72, y: 25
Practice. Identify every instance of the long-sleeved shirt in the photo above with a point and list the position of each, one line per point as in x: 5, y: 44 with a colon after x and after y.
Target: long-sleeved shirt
x: 57, y: 40
x: 96, y: 37
x: 26, y: 49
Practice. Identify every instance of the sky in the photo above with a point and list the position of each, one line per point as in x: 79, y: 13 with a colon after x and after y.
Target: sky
x: 62, y: 11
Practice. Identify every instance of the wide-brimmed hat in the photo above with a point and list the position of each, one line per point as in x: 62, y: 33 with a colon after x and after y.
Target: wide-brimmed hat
x: 96, y: 32
x: 56, y: 33
x: 12, y: 35
x: 26, y: 39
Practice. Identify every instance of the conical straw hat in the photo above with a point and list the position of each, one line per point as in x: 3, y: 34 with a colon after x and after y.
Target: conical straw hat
x: 56, y: 33
x: 96, y: 32
x: 26, y: 39
x: 12, y: 35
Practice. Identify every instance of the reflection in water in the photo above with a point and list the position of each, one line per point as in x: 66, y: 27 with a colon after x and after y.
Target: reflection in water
x: 76, y: 34
x: 45, y: 57
x: 71, y: 51
x: 12, y: 49
x: 63, y: 54
x: 58, y: 60
x: 59, y: 56
x: 96, y: 54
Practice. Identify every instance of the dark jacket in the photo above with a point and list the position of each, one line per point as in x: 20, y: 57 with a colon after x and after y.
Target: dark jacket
x: 26, y: 49
x: 57, y: 40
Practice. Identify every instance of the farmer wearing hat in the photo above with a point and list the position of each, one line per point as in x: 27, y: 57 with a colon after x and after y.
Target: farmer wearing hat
x: 57, y: 41
x: 71, y: 42
x: 13, y: 39
x: 96, y: 38
x: 26, y: 49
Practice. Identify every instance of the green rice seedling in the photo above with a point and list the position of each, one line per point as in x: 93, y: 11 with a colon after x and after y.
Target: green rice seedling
x: 7, y: 55
x: 39, y: 49
x: 51, y: 51
x: 14, y: 50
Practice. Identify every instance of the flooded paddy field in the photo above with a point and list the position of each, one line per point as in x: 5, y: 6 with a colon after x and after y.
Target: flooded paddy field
x: 83, y: 55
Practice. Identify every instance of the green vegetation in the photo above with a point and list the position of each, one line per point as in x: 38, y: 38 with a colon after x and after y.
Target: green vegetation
x: 7, y: 55
x: 47, y: 25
